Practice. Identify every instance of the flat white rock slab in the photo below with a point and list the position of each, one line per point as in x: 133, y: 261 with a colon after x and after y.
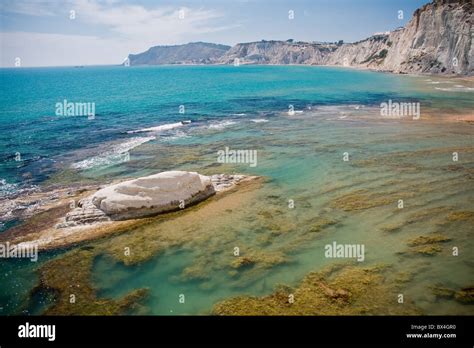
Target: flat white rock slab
x: 154, y: 194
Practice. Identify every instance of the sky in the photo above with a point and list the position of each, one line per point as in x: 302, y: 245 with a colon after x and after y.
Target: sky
x: 96, y: 32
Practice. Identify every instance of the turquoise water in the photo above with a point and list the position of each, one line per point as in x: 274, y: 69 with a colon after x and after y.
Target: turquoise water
x: 300, y: 155
x: 128, y: 99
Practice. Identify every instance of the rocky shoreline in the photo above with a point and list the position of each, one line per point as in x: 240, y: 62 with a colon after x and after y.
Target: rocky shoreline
x: 63, y: 216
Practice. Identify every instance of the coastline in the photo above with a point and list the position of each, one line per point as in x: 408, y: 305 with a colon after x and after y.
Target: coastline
x: 388, y: 157
x: 461, y: 77
x: 46, y: 207
x: 40, y: 227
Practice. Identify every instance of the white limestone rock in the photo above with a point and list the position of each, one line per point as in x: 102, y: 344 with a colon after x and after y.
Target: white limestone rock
x: 148, y: 196
x: 153, y: 194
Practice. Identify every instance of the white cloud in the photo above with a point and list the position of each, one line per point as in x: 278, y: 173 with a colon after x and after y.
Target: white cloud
x: 38, y: 8
x: 120, y: 29
x: 164, y: 24
x: 38, y: 49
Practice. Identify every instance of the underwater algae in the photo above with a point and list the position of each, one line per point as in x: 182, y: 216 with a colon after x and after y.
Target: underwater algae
x: 428, y: 245
x: 210, y: 231
x: 461, y: 216
x: 463, y: 295
x: 68, y: 278
x: 70, y: 274
x: 40, y: 221
x: 335, y: 290
x: 196, y: 224
x: 430, y: 239
x: 363, y: 199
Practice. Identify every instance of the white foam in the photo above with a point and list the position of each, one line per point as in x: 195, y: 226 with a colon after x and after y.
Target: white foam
x: 456, y: 89
x: 242, y: 114
x: 221, y: 124
x: 438, y: 82
x: 259, y: 120
x: 163, y: 127
x: 175, y: 136
x: 7, y: 189
x: 118, y: 154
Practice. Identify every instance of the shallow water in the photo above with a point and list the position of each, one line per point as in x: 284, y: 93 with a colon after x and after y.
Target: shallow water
x: 311, y: 172
x: 301, y: 158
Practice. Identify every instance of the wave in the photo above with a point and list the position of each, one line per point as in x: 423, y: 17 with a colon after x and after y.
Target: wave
x: 259, y: 120
x: 118, y: 154
x: 177, y: 135
x: 438, y: 82
x: 6, y: 188
x: 456, y: 89
x: 355, y: 108
x: 9, y: 190
x: 163, y: 127
x: 221, y: 124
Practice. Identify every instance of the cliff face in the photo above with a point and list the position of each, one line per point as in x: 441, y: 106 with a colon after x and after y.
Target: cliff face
x: 438, y: 39
x: 368, y: 53
x: 278, y: 52
x: 191, y: 53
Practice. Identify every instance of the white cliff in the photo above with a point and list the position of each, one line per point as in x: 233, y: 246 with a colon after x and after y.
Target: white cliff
x: 438, y: 40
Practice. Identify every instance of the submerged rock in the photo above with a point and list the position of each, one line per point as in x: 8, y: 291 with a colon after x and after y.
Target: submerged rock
x: 86, y: 213
x: 336, y: 294
x: 430, y: 239
x: 335, y: 290
x: 223, y: 182
x: 426, y: 245
x: 463, y: 295
x: 243, y: 262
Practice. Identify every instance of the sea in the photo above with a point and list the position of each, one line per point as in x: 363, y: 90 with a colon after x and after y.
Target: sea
x: 324, y: 148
